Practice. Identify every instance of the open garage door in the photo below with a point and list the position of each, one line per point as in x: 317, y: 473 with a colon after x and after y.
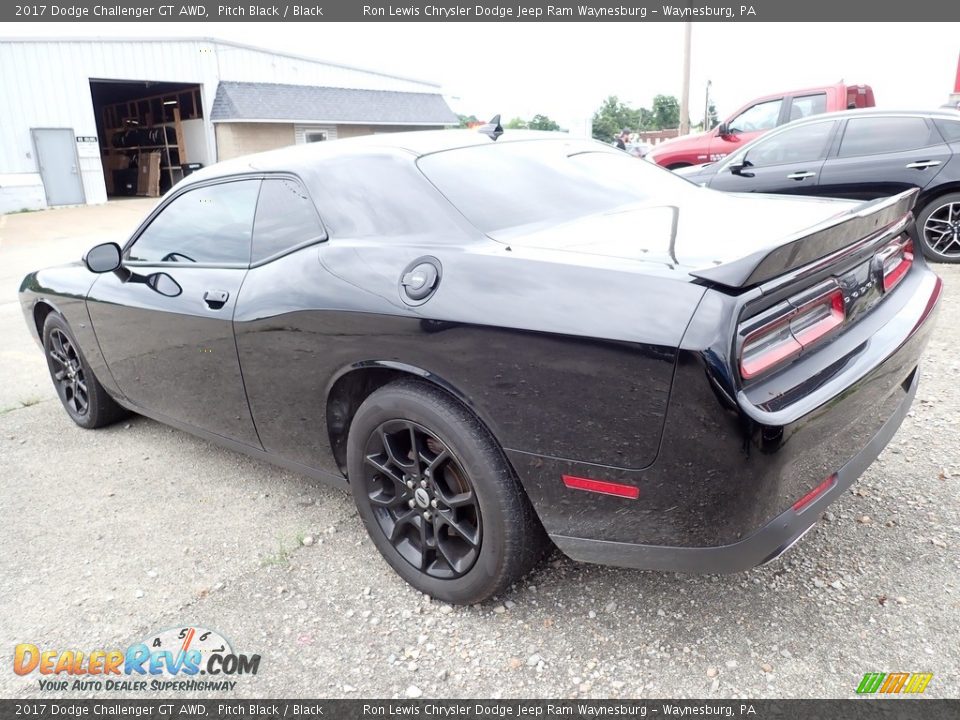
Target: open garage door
x: 151, y: 134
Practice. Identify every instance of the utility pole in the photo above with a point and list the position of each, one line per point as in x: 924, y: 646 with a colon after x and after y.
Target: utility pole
x: 706, y: 107
x: 685, y: 93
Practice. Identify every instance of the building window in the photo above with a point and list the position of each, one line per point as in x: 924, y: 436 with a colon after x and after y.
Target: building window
x: 314, y: 133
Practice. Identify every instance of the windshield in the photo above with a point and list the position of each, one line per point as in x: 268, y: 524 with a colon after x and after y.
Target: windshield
x: 538, y: 183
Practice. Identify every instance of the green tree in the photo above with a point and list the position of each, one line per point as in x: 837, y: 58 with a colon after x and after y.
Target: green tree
x: 666, y: 112
x: 465, y: 120
x: 542, y: 122
x: 516, y: 124
x: 612, y: 117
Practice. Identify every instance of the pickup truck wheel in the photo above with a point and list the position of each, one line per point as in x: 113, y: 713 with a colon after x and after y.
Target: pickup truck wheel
x: 938, y: 225
x: 82, y: 395
x: 437, y: 495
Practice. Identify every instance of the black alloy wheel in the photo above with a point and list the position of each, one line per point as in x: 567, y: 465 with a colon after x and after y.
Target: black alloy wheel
x: 422, y: 499
x: 66, y: 369
x: 82, y: 395
x: 437, y: 495
x: 939, y: 228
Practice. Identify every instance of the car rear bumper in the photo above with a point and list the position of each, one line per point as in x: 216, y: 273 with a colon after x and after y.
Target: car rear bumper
x: 765, y: 545
x: 721, y: 493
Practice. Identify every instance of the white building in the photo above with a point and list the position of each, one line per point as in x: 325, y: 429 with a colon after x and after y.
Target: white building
x: 80, y: 116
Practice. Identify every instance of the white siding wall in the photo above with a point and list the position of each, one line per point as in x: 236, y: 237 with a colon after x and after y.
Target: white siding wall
x: 47, y: 84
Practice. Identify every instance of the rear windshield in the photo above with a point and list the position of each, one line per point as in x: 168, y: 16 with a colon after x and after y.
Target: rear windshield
x: 533, y: 184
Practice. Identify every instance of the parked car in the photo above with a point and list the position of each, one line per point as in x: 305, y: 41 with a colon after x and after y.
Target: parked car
x: 498, y: 344
x: 757, y: 117
x: 859, y: 155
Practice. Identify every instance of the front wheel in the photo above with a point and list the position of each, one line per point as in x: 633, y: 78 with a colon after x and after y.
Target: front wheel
x: 82, y: 395
x: 437, y: 495
x: 938, y: 225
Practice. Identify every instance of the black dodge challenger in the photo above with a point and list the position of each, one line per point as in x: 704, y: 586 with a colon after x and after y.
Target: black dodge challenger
x: 498, y: 343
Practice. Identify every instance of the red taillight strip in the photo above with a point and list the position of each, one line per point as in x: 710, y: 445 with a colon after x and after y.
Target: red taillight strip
x: 824, y: 325
x: 601, y: 486
x: 752, y: 367
x: 895, y: 274
x: 801, y: 504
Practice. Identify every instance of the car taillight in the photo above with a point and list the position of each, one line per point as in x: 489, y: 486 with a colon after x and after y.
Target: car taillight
x: 790, y: 330
x: 896, y: 259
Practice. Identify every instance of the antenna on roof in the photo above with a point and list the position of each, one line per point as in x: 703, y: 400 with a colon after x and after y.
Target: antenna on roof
x: 492, y: 129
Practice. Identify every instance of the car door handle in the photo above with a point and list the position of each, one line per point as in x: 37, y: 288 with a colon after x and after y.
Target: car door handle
x: 800, y: 175
x: 923, y: 164
x: 215, y: 299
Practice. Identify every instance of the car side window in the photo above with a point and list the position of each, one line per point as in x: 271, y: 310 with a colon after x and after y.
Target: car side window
x: 286, y: 218
x: 806, y: 105
x: 796, y: 145
x: 871, y: 136
x: 762, y: 116
x: 211, y: 224
x: 950, y: 129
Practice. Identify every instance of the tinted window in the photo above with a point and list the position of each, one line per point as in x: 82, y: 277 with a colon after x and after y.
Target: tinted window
x: 285, y: 218
x: 761, y: 116
x: 950, y: 129
x: 378, y: 196
x: 797, y: 145
x: 208, y: 225
x: 807, y: 105
x: 869, y: 136
x: 546, y: 182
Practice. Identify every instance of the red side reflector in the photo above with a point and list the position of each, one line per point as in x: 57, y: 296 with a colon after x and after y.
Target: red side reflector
x: 601, y: 486
x: 801, y: 504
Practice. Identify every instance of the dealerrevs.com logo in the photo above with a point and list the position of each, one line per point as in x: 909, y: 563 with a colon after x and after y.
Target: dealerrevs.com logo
x: 185, y: 659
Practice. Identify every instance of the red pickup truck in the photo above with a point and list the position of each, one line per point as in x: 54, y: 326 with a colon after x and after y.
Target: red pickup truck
x: 754, y: 119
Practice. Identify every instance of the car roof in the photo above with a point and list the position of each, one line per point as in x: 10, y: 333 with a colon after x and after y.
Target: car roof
x: 942, y: 114
x: 415, y: 144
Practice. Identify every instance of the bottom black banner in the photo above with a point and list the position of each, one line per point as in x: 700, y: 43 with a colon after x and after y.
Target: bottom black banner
x: 854, y: 709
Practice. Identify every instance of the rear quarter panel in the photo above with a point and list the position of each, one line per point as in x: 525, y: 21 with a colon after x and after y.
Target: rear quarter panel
x: 557, y: 358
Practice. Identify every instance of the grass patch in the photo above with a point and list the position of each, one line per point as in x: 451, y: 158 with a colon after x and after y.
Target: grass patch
x: 281, y: 556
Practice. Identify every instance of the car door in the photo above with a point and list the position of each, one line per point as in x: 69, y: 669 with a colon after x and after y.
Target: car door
x: 746, y: 126
x: 786, y: 162
x: 282, y: 355
x: 881, y: 156
x: 164, y: 320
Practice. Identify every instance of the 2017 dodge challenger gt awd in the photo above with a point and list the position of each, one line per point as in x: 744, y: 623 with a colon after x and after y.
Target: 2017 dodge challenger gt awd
x: 499, y: 343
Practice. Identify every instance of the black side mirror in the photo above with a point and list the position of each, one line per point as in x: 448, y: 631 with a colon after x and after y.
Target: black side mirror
x: 723, y: 130
x: 103, y: 258
x: 739, y: 168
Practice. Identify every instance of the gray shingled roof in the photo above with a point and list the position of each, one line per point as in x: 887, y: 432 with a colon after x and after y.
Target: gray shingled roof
x: 268, y: 101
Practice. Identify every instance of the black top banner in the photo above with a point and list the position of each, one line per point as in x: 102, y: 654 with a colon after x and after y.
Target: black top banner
x: 483, y: 11
x: 467, y: 709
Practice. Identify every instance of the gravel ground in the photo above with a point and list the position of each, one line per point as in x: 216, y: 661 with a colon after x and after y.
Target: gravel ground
x: 110, y: 535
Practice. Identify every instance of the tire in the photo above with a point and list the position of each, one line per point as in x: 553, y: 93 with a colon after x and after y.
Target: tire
x: 677, y: 166
x: 938, y: 227
x: 81, y: 394
x: 465, y: 531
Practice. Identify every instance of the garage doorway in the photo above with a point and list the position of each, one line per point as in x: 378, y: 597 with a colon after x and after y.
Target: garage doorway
x: 151, y: 134
x: 56, y: 151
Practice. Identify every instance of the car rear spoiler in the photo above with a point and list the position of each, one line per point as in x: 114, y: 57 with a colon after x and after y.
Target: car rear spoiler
x: 812, y: 244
